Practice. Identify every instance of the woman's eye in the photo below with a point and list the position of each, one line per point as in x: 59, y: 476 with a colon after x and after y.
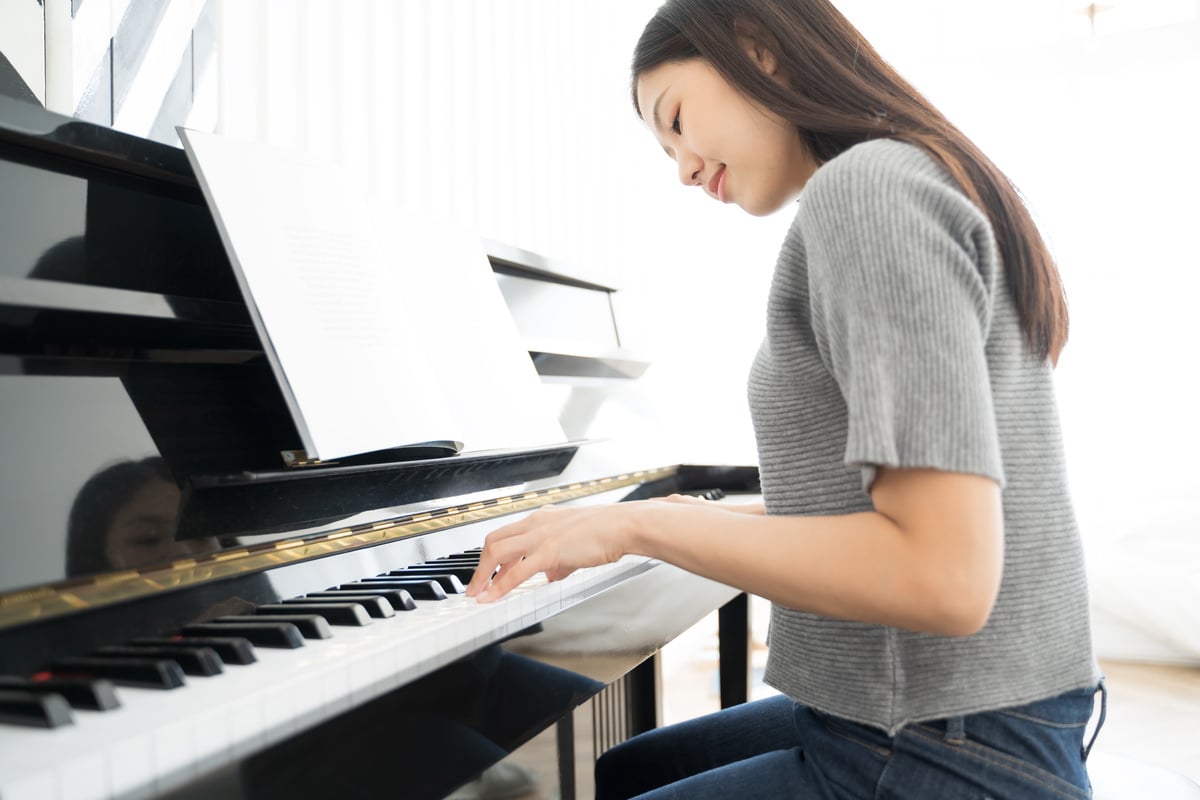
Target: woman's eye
x: 675, y: 125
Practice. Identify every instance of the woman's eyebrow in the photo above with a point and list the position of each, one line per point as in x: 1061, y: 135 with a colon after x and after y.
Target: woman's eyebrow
x: 654, y: 111
x: 658, y: 122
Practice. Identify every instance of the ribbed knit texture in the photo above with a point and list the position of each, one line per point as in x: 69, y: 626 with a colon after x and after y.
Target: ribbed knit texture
x: 892, y: 340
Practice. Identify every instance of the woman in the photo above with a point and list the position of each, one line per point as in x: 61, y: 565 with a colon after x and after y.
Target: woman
x: 929, y: 627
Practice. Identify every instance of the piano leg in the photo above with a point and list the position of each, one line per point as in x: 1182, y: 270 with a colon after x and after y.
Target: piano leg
x: 643, y: 698
x: 733, y: 622
x: 565, y: 740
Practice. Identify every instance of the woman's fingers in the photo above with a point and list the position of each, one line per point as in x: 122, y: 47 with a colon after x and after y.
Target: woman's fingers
x: 510, y: 577
x: 505, y: 548
x: 496, y: 552
x: 552, y: 540
x: 499, y: 548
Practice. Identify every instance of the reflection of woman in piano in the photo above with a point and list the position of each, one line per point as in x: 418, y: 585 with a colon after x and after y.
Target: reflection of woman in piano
x: 930, y: 628
x: 124, y: 517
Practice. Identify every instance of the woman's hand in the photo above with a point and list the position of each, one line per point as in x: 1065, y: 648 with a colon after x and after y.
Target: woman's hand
x: 559, y: 540
x: 553, y: 540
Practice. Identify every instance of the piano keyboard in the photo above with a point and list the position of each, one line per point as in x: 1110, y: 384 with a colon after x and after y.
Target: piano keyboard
x: 158, y: 740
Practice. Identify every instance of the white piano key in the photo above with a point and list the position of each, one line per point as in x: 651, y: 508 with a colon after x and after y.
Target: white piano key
x: 212, y: 736
x: 336, y: 689
x: 31, y: 786
x: 131, y: 764
x: 82, y: 776
x: 360, y: 677
x: 246, y: 725
x: 174, y: 749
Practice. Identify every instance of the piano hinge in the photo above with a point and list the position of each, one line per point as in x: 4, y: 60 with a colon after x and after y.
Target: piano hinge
x: 26, y: 596
x: 299, y: 458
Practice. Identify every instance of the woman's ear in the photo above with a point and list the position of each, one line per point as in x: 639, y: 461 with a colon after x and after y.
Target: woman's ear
x: 760, y: 46
x: 761, y: 55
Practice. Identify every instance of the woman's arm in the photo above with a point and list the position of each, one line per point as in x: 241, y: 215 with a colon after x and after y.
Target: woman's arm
x: 928, y: 558
x: 744, y: 508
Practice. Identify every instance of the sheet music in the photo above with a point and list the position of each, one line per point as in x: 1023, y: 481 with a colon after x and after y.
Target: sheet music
x: 372, y: 351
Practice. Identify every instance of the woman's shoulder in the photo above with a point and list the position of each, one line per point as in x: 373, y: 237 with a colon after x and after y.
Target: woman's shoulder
x: 877, y: 162
x: 877, y: 178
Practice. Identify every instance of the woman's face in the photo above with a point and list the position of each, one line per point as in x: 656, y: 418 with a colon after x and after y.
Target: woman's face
x: 734, y: 149
x: 142, y: 531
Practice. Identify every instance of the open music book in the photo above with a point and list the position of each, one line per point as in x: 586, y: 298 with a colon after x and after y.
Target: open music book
x: 384, y: 329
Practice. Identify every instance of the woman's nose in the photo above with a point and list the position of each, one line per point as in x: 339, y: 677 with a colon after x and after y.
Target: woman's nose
x: 690, y: 167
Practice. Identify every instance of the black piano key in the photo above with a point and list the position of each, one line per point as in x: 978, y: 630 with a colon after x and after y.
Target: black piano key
x: 460, y: 575
x: 461, y: 570
x: 194, y: 660
x: 311, y: 626
x: 450, y: 584
x: 398, y: 599
x: 258, y: 632
x: 93, y: 695
x: 334, y: 613
x: 376, y: 607
x: 34, y: 709
x: 420, y: 589
x: 460, y: 561
x: 230, y: 649
x: 144, y: 673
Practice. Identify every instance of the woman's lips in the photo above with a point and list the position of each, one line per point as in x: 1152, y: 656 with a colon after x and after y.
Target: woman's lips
x: 716, y: 184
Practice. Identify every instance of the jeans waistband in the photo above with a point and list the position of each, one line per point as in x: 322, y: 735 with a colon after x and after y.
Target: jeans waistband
x: 956, y: 726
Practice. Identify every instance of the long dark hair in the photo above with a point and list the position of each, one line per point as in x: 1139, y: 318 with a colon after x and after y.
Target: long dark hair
x: 97, y: 504
x: 839, y: 92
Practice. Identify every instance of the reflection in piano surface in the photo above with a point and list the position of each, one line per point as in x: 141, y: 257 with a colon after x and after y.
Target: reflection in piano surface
x: 184, y: 614
x: 124, y: 517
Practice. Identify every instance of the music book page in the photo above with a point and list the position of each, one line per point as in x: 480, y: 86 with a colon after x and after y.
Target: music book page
x: 383, y: 330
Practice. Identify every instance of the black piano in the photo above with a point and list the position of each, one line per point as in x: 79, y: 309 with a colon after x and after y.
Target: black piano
x: 190, y: 607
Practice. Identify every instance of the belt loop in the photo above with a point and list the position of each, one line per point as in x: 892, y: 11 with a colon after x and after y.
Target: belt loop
x: 956, y: 729
x: 1099, y: 723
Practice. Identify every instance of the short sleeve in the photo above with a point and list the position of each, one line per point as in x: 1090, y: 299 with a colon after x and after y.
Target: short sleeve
x: 902, y: 269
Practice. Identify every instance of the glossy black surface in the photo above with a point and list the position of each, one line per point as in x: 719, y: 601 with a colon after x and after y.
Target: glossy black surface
x: 127, y: 360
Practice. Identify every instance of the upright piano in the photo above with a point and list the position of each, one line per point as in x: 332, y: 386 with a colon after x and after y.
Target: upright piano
x: 190, y: 607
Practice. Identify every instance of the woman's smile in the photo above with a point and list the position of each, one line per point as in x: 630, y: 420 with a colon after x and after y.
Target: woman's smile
x: 716, y: 184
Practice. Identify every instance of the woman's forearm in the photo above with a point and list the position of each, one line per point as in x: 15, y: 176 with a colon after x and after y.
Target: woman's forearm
x: 935, y: 571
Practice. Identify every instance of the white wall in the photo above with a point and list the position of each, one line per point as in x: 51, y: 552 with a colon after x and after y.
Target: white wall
x: 500, y: 114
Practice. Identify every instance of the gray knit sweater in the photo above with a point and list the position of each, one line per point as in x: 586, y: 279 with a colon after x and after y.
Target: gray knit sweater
x: 892, y: 340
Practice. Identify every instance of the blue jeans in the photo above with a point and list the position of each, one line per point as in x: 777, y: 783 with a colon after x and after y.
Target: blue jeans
x: 776, y: 748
